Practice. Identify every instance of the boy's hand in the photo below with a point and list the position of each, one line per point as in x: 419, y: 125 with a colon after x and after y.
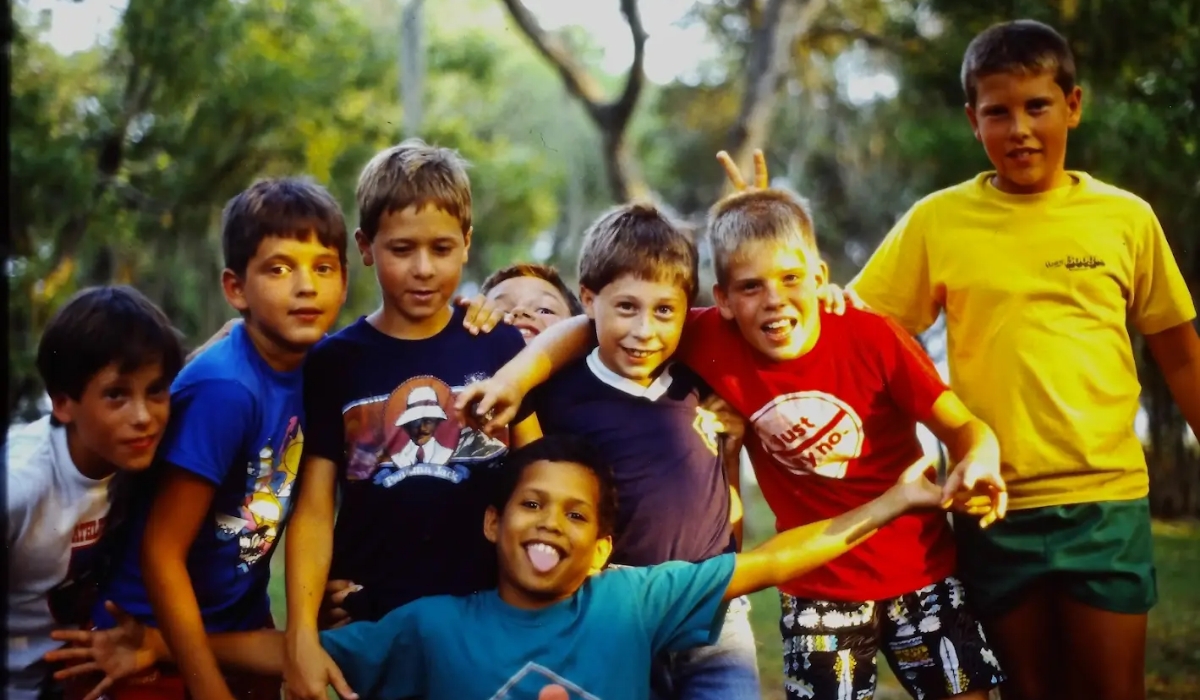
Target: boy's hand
x: 308, y: 670
x: 722, y: 419
x: 489, y: 405
x: 835, y: 300
x: 120, y: 652
x: 975, y: 487
x: 221, y: 333
x: 482, y: 314
x: 332, y: 615
x: 917, y: 486
x: 761, y: 181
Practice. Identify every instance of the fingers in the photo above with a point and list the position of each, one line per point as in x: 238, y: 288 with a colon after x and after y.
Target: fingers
x: 69, y: 654
x: 101, y: 688
x: 339, y: 683
x: 854, y: 299
x: 337, y: 584
x: 478, y: 311
x: 731, y: 171
x: 761, y: 181
x: 120, y: 616
x: 471, y: 397
x: 82, y: 637
x: 77, y: 670
x: 339, y: 622
x: 919, y: 469
x: 951, y: 488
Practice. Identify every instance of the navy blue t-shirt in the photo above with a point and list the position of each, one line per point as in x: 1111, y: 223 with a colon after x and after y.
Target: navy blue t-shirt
x: 672, y: 490
x: 414, y: 481
x: 236, y: 423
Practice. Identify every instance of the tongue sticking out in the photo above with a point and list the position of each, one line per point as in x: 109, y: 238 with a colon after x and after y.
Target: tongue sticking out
x: 543, y: 557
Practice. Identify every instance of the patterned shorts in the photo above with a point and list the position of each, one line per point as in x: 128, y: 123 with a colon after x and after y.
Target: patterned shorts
x: 929, y: 637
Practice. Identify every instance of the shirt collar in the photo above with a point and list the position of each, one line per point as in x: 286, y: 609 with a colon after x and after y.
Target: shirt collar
x: 656, y: 389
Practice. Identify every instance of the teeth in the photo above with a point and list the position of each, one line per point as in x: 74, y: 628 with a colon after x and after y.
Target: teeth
x: 639, y: 353
x: 526, y: 332
x: 778, y: 325
x: 543, y: 547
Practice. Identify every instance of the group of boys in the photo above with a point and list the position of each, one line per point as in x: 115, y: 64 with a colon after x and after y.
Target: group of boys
x: 565, y: 513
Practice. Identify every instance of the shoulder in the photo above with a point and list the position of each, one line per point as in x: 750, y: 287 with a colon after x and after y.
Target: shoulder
x: 29, y: 454
x: 1120, y: 200
x: 504, y: 338
x: 337, y: 345
x: 223, y: 394
x: 955, y: 197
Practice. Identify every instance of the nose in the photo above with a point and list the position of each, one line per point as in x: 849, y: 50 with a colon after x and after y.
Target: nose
x: 643, y: 327
x: 520, y: 311
x: 552, y: 520
x: 423, y: 267
x: 774, y: 295
x: 141, y: 416
x: 305, y: 285
x: 1021, y: 124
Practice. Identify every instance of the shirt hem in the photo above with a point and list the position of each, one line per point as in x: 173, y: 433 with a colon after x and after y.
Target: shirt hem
x: 1073, y: 498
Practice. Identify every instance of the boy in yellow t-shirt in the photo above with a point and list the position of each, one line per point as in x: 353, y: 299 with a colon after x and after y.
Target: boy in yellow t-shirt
x: 1039, y: 270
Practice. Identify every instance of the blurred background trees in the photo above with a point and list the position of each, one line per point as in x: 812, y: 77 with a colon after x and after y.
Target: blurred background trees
x: 124, y: 151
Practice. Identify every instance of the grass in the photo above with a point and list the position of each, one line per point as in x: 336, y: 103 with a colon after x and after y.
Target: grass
x: 1172, y: 646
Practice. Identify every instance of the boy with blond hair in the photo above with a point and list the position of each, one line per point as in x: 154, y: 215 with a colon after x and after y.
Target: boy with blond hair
x: 1040, y: 271
x: 379, y: 397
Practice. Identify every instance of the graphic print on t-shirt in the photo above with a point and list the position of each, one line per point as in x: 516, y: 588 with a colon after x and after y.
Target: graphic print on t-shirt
x: 810, y: 432
x: 71, y: 601
x: 414, y: 431
x: 529, y: 681
x: 269, y: 479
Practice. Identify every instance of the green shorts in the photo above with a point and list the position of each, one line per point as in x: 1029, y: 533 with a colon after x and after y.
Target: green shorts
x: 1101, y: 554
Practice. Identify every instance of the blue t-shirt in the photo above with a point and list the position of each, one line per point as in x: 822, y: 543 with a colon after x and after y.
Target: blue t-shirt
x: 672, y: 490
x: 235, y: 422
x: 414, y: 481
x: 598, y: 643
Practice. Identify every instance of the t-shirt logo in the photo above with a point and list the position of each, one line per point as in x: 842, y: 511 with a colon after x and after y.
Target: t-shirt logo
x: 810, y: 432
x: 269, y: 482
x: 530, y: 680
x: 414, y: 431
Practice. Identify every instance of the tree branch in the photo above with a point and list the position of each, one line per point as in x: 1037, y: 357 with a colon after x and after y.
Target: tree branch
x: 610, y: 117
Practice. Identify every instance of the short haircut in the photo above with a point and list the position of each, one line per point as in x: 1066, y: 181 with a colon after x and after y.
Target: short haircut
x: 563, y: 448
x: 288, y: 207
x: 757, y: 215
x: 638, y: 240
x: 1022, y: 47
x: 413, y: 174
x: 542, y: 272
x: 100, y: 326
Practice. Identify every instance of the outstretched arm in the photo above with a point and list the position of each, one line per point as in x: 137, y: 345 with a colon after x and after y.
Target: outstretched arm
x: 800, y: 550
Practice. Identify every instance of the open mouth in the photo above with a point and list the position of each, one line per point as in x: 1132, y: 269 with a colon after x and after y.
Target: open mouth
x: 528, y: 331
x: 543, y: 557
x: 423, y: 295
x: 779, y: 330
x: 1023, y: 155
x: 639, y: 355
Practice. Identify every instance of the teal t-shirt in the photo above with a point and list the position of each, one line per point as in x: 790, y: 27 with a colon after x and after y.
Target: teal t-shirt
x: 597, y: 644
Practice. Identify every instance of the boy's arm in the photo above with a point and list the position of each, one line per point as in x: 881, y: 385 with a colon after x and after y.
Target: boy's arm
x: 309, y: 551
x: 896, y: 279
x: 180, y: 508
x: 975, y: 457
x: 494, y: 403
x: 731, y: 455
x: 800, y: 550
x: 1177, y: 353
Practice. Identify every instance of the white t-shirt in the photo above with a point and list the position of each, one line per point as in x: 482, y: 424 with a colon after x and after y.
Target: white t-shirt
x: 55, y: 518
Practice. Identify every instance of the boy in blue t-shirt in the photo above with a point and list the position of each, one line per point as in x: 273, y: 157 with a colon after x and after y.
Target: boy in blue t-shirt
x: 197, y: 557
x: 645, y: 416
x: 558, y: 618
x: 379, y: 397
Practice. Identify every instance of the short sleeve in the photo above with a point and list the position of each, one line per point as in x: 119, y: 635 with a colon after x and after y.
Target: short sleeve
x: 896, y: 280
x: 383, y: 659
x: 323, y: 431
x: 1161, y: 299
x: 697, y: 329
x: 683, y: 604
x: 912, y: 379
x: 210, y: 425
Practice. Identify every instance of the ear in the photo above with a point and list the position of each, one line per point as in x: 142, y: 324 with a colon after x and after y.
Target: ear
x: 467, y: 244
x: 588, y: 298
x: 63, y: 408
x: 364, y: 247
x: 491, y: 524
x: 974, y: 119
x: 1074, y: 107
x: 722, y: 302
x: 235, y: 290
x: 601, y: 554
x: 822, y: 274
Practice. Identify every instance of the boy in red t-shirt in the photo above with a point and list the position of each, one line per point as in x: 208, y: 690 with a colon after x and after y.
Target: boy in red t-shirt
x: 833, y: 402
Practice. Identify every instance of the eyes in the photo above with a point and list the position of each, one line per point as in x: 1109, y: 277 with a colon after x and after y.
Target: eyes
x: 663, y: 311
x: 441, y: 249
x: 323, y: 269
x: 789, y: 280
x: 118, y: 394
x: 530, y: 504
x: 1034, y: 107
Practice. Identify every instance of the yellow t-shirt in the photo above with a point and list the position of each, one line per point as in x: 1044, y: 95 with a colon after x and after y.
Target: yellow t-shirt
x: 1038, y: 292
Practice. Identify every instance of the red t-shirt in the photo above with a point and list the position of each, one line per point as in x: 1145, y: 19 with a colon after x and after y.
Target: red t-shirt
x: 830, y: 431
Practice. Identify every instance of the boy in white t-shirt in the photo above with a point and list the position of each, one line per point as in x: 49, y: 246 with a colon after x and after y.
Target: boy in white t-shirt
x: 107, y: 358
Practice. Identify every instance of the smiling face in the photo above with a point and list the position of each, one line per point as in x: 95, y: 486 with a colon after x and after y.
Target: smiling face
x: 638, y: 325
x: 418, y: 258
x: 117, y: 421
x: 534, y: 303
x: 291, y: 295
x: 548, y: 536
x: 1022, y: 120
x: 771, y: 294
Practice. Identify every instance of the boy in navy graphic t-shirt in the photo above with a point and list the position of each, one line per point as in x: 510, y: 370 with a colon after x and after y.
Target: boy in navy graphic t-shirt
x: 379, y: 397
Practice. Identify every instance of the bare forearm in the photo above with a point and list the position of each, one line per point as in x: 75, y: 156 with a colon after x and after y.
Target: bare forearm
x: 972, y: 440
x: 309, y: 550
x: 260, y: 651
x: 548, y: 352
x: 1184, y: 382
x: 731, y: 457
x: 797, y: 551
x: 178, y: 614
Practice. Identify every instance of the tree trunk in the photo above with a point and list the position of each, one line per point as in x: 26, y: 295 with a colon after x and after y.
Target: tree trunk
x: 412, y: 66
